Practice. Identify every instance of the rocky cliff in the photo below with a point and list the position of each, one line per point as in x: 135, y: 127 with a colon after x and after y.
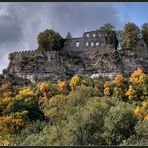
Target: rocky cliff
x: 87, y: 56
x: 62, y: 64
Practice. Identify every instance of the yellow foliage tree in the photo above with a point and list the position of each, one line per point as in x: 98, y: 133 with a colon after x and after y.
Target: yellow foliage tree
x: 137, y: 76
x: 43, y: 87
x: 118, y: 79
x: 106, y: 88
x: 62, y: 85
x: 142, y: 110
x: 75, y: 80
x: 138, y: 88
x: 131, y: 92
x: 26, y: 92
x: 13, y: 123
x: 119, y: 89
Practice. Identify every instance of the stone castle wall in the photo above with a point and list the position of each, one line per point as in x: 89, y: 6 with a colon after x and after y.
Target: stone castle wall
x: 90, y: 41
x: 16, y: 56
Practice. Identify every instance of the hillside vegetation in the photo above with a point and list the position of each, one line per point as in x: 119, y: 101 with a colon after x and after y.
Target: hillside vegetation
x: 76, y: 112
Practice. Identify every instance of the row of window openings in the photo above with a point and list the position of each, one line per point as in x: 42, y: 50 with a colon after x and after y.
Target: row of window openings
x: 87, y: 44
x: 87, y: 35
x: 94, y: 35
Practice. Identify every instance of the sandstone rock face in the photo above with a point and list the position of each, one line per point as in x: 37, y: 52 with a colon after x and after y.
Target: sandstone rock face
x: 62, y: 64
x: 38, y: 66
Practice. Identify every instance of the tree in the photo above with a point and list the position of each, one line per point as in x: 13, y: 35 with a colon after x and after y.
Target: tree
x: 131, y: 35
x: 49, y: 40
x: 145, y: 32
x: 75, y: 80
x: 110, y: 34
x: 68, y: 36
x: 107, y: 27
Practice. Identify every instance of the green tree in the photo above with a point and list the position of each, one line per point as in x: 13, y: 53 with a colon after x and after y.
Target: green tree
x: 107, y: 27
x: 139, y: 138
x: 119, y: 122
x: 109, y: 34
x: 145, y: 32
x: 131, y: 35
x: 69, y: 35
x: 49, y: 40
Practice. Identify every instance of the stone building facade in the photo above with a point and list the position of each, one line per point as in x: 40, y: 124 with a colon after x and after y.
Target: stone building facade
x: 93, y: 40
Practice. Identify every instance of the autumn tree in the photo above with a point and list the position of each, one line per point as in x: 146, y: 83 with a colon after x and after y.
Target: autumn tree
x: 75, y: 81
x: 110, y: 34
x: 145, y: 32
x: 106, y: 88
x: 62, y: 85
x: 131, y: 34
x: 138, y: 90
x: 49, y: 40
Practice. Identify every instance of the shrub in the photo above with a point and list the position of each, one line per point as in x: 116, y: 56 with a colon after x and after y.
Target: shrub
x: 138, y: 89
x: 139, y: 138
x: 34, y: 128
x: 62, y: 85
x: 75, y: 81
x: 107, y: 88
x: 119, y: 123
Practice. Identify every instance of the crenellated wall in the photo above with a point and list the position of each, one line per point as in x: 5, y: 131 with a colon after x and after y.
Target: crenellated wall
x: 16, y: 56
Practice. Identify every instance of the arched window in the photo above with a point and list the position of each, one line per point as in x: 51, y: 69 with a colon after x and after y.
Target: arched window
x: 94, y: 35
x: 87, y: 34
x: 77, y: 44
x: 87, y: 44
x: 97, y: 43
x: 92, y: 44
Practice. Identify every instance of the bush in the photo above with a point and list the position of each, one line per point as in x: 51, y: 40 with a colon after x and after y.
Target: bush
x: 139, y: 138
x: 119, y: 123
x: 34, y: 128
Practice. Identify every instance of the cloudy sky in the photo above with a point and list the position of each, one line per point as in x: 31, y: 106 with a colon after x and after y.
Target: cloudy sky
x: 21, y: 22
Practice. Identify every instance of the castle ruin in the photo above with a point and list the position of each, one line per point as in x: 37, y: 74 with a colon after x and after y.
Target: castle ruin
x: 88, y: 55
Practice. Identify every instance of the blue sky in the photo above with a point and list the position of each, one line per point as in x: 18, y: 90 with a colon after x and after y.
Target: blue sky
x: 136, y: 12
x: 20, y: 23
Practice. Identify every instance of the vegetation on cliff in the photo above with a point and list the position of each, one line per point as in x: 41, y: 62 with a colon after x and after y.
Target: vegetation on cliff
x: 76, y: 112
x: 49, y: 40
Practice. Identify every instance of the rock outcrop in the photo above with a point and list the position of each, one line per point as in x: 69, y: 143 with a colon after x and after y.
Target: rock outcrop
x: 87, y: 56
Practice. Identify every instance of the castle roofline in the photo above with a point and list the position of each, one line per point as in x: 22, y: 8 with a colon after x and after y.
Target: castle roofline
x: 90, y: 31
x: 76, y: 38
x: 24, y: 51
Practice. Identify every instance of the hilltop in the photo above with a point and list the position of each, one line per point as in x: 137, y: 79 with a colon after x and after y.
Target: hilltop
x: 97, y: 53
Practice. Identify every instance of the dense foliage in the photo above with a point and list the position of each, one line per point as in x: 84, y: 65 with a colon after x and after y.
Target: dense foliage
x: 131, y: 34
x: 49, y: 40
x: 145, y: 32
x: 110, y: 34
x: 76, y: 112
